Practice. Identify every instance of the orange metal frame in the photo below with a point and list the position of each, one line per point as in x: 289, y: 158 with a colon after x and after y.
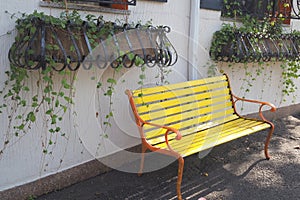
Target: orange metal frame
x: 145, y: 145
x: 262, y: 104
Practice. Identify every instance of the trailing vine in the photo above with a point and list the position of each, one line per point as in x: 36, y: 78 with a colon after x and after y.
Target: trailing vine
x: 40, y: 89
x: 25, y: 99
x: 247, y: 43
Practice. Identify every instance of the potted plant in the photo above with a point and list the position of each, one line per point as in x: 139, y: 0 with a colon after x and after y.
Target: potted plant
x: 48, y: 51
x: 254, y: 41
x: 259, y: 41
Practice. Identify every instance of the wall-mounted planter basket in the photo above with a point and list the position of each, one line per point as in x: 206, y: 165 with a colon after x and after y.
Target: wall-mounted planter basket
x: 104, y: 44
x: 249, y: 47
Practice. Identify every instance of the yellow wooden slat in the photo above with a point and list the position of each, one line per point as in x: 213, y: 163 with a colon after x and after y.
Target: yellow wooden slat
x: 160, y: 117
x: 195, y: 129
x: 196, y: 147
x: 157, y: 112
x: 156, y: 89
x: 204, y: 140
x: 207, y: 145
x: 200, y: 131
x: 200, y: 114
x: 168, y: 94
x: 214, y: 134
x: 179, y: 93
x: 212, y: 139
x: 190, y: 122
x: 183, y: 100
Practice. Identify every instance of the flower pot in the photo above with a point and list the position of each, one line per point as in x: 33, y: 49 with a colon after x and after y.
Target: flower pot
x: 42, y: 44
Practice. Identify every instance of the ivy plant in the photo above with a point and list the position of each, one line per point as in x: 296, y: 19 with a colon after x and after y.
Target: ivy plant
x: 33, y: 93
x: 258, y: 41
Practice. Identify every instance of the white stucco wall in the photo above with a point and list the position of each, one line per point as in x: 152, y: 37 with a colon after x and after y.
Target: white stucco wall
x: 265, y: 87
x: 22, y: 160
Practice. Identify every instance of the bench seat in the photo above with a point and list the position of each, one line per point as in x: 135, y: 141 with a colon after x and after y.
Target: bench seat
x: 197, y: 139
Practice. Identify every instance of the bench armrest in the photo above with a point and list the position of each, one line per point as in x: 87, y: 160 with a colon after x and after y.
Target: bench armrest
x: 168, y: 129
x: 140, y: 122
x: 262, y: 104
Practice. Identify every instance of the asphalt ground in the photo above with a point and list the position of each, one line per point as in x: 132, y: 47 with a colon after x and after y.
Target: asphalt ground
x: 235, y: 171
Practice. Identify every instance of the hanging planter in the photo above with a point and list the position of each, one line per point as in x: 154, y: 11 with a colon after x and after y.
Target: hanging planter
x: 66, y: 41
x: 259, y: 41
x: 48, y: 44
x: 231, y: 45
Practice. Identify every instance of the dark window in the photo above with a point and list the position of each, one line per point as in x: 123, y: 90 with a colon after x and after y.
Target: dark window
x: 238, y: 8
x: 127, y: 2
x: 158, y: 0
x: 117, y: 4
x: 211, y: 4
x: 284, y: 9
x: 258, y: 9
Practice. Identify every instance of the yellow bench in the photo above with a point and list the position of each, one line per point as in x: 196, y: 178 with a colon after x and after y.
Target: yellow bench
x: 185, y: 118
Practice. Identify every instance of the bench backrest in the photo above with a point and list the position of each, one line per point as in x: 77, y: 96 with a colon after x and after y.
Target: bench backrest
x: 188, y: 106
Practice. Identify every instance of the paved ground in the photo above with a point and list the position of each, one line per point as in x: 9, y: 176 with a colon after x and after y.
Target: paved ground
x: 233, y: 171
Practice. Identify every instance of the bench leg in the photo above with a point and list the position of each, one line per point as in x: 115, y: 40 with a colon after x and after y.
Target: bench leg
x: 179, y: 178
x: 144, y: 148
x: 268, y: 142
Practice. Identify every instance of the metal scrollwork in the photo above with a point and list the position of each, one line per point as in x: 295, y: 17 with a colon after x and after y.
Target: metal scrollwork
x: 69, y: 47
x: 250, y: 47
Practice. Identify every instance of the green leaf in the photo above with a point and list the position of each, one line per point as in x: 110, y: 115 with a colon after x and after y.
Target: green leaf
x: 56, y: 103
x: 109, y: 92
x: 112, y: 81
x: 107, y: 124
x: 21, y: 127
x: 53, y: 119
x: 47, y: 70
x: 72, y: 48
x: 68, y: 99
x: 48, y: 100
x: 47, y: 79
x: 64, y: 108
x: 26, y: 38
x: 32, y: 29
x: 61, y: 94
x: 68, y: 60
x: 65, y: 84
x: 110, y: 114
x: 34, y: 104
x: 47, y: 89
x: 142, y: 76
x: 35, y: 98
x: 48, y: 112
x: 23, y: 102
x: 99, y: 84
x: 138, y: 61
x: 26, y: 88
x: 55, y: 47
x: 130, y: 56
x: 49, y: 46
